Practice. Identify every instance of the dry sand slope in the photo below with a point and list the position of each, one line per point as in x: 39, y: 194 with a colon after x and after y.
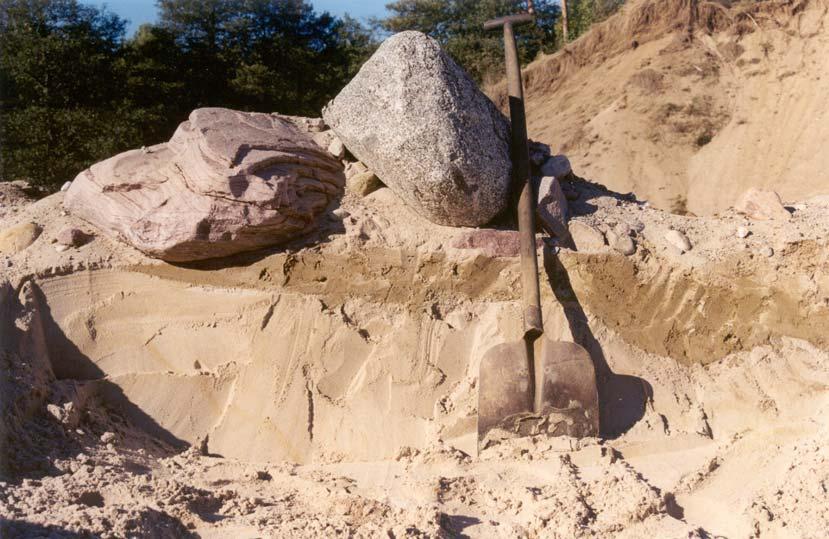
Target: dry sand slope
x: 688, y: 102
x: 330, y: 388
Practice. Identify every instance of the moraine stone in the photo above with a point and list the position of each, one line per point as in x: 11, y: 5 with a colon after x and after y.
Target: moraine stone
x: 586, y: 237
x: 73, y: 237
x: 227, y: 182
x: 417, y: 119
x: 16, y: 238
x: 621, y: 241
x: 364, y: 183
x: 539, y: 152
x: 336, y: 148
x: 557, y: 166
x: 552, y: 207
x: 762, y: 205
x: 678, y: 240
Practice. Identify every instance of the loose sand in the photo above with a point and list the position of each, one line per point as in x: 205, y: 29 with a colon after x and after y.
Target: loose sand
x: 330, y: 387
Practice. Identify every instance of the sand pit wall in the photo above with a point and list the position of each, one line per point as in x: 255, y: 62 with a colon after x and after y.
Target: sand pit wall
x: 306, y: 358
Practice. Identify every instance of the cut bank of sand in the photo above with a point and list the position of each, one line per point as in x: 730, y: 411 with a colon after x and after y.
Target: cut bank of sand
x: 330, y: 387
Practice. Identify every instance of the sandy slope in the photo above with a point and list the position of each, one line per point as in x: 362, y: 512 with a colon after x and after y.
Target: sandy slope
x: 689, y: 103
x: 330, y: 388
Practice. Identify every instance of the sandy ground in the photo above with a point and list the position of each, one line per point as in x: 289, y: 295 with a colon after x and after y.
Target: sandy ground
x: 689, y: 123
x: 329, y: 388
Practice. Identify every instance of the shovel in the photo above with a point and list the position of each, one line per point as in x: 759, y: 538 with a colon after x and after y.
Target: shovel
x: 534, y: 385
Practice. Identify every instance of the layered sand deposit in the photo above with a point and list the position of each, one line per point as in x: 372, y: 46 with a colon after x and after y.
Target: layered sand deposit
x: 330, y: 387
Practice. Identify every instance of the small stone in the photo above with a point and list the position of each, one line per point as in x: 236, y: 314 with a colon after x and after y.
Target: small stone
x: 637, y: 226
x: 623, y: 244
x: 678, y: 240
x: 316, y: 125
x: 197, y: 365
x: 767, y: 251
x: 552, y: 207
x: 340, y: 213
x: 66, y: 186
x: 557, y: 166
x: 539, y: 152
x: 61, y: 248
x: 364, y: 183
x: 762, y: 205
x: 73, y: 237
x: 586, y: 237
x: 742, y: 232
x: 107, y: 437
x: 16, y: 238
x: 56, y: 411
x: 336, y: 148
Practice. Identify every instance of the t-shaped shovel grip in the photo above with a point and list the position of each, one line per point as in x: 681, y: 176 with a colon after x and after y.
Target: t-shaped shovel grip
x: 519, y: 152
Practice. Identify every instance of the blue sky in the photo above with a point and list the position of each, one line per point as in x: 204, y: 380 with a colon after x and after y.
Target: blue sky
x: 141, y: 11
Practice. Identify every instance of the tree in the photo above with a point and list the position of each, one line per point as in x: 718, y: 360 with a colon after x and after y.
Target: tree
x: 582, y: 14
x: 56, y: 79
x: 73, y: 91
x: 458, y: 26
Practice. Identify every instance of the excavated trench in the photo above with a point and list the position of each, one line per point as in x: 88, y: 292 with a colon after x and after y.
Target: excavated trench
x: 308, y: 357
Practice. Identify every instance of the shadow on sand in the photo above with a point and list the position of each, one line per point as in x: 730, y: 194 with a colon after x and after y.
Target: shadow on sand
x: 622, y: 398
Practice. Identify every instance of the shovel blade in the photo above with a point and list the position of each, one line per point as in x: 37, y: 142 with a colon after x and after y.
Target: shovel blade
x: 545, y: 388
x: 567, y: 395
x: 505, y: 386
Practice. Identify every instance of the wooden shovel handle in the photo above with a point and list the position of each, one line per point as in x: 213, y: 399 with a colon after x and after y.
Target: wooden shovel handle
x: 519, y: 150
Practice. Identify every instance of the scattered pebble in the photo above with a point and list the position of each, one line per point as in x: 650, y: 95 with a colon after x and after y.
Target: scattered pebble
x: 66, y: 186
x: 743, y: 232
x: 107, y: 437
x: 586, y: 237
x: 678, y: 240
x: 336, y: 148
x: 767, y: 251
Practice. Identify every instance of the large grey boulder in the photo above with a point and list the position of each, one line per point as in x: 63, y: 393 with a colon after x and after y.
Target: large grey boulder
x: 420, y: 123
x: 227, y: 182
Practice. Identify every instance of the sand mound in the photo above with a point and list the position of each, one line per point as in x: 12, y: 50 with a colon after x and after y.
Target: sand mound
x: 333, y: 384
x: 689, y: 103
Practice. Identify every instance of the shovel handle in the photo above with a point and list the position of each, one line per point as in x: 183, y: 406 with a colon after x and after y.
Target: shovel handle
x: 519, y: 152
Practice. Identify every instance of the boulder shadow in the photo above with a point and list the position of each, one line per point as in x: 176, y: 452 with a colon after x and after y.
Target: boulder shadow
x: 68, y: 362
x: 623, y: 399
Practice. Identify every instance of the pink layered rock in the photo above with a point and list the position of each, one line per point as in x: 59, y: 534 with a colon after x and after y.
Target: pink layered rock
x: 227, y: 182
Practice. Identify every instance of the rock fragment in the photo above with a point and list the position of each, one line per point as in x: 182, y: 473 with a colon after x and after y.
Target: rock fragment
x: 336, y: 148
x: 551, y: 208
x: 73, y: 237
x: 539, y: 152
x: 762, y: 205
x: 364, y: 183
x: 585, y: 237
x: 742, y: 232
x: 678, y: 240
x: 417, y: 119
x: 16, y: 238
x: 621, y: 242
x: 557, y: 166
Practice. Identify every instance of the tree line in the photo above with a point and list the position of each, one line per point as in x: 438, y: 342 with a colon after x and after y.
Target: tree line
x: 74, y: 89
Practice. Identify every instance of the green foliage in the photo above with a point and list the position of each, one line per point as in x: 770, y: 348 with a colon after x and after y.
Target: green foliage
x: 582, y: 14
x: 458, y: 27
x: 73, y: 91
